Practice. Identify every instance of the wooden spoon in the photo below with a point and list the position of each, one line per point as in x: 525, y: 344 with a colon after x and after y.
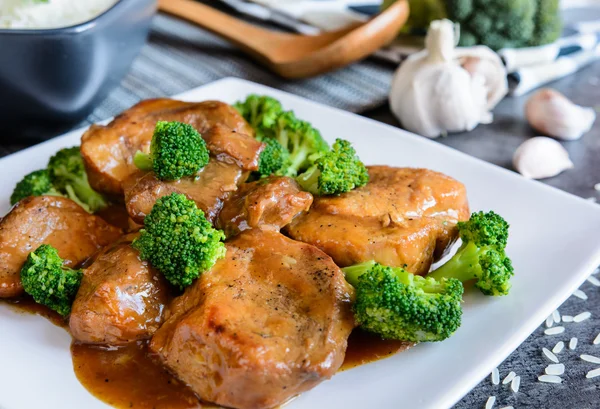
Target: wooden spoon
x: 294, y: 55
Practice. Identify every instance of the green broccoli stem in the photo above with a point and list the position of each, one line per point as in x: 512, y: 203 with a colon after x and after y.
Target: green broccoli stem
x: 461, y: 266
x: 309, y: 180
x: 142, y: 160
x: 83, y: 190
x: 353, y: 272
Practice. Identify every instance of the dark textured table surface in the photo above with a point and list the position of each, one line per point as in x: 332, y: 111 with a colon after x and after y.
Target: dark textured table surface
x: 494, y: 143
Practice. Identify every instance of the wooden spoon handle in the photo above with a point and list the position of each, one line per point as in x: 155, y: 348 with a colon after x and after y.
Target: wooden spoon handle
x: 248, y: 37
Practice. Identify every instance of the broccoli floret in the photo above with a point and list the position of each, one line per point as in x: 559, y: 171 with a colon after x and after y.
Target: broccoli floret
x: 261, y: 112
x: 68, y: 175
x: 337, y: 171
x: 48, y: 281
x: 176, y: 150
x: 273, y: 160
x: 548, y: 24
x: 398, y: 305
x: 270, y: 122
x: 481, y: 257
x: 505, y: 23
x: 36, y: 183
x: 178, y: 240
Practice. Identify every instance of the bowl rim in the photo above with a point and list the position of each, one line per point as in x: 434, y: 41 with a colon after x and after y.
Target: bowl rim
x: 73, y: 29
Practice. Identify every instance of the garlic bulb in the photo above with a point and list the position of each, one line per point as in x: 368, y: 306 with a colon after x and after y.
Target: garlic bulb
x: 541, y: 157
x: 551, y: 113
x: 446, y: 89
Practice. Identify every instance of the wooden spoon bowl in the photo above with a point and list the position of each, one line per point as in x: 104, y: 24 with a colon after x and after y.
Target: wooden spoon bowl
x: 294, y: 55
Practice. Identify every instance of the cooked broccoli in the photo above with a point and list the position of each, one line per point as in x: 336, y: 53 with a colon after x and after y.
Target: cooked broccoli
x: 337, y: 171
x: 36, y: 183
x: 273, y: 160
x: 48, y: 281
x: 398, y: 305
x: 261, y: 112
x: 176, y: 150
x: 481, y: 256
x: 68, y: 175
x: 500, y: 23
x: 270, y: 122
x: 178, y: 240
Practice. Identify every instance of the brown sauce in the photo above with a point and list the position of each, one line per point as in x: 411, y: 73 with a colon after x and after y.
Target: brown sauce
x: 364, y: 347
x: 128, y: 377
x: 115, y: 214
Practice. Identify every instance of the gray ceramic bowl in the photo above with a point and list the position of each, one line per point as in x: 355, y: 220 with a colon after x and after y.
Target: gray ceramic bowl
x: 55, y: 77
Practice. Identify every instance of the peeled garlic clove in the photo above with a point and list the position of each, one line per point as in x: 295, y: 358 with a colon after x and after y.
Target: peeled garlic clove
x: 551, y: 113
x: 541, y: 157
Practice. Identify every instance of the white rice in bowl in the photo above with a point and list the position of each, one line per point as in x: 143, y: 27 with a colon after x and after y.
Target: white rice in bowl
x: 36, y: 14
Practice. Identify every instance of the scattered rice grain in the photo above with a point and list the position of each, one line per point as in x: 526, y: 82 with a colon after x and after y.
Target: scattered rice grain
x: 591, y: 199
x: 550, y: 379
x: 580, y: 294
x: 593, y: 373
x: 555, y: 369
x: 508, y: 407
x: 556, y: 316
x: 567, y: 318
x: 514, y: 385
x: 597, y: 187
x: 558, y: 347
x: 549, y: 321
x: 495, y: 376
x: 550, y: 355
x: 594, y: 281
x: 573, y: 343
x: 590, y: 358
x: 554, y: 330
x: 582, y: 317
x: 596, y: 340
x: 596, y: 271
x: 511, y: 375
x: 490, y: 402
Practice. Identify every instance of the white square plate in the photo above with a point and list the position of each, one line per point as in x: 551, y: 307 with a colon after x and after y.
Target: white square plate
x: 554, y: 246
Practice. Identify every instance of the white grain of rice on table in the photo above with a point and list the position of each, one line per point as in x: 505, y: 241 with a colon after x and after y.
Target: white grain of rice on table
x: 549, y: 321
x: 567, y: 318
x: 590, y: 358
x: 596, y: 340
x: 508, y: 407
x: 593, y: 280
x: 514, y: 385
x: 594, y: 373
x: 558, y: 347
x: 495, y: 376
x: 580, y: 294
x: 550, y: 379
x: 490, y: 402
x: 555, y: 369
x: 597, y: 187
x: 596, y: 271
x: 511, y: 375
x: 556, y: 316
x: 550, y: 355
x: 573, y: 343
x: 554, y: 330
x: 582, y: 317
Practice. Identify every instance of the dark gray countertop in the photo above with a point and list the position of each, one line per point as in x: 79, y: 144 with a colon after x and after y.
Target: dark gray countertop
x: 496, y: 143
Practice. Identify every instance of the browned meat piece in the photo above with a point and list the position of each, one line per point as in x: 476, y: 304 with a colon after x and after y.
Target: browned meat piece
x: 270, y: 203
x: 227, y: 144
x: 209, y: 189
x: 108, y: 150
x: 269, y: 321
x: 402, y: 217
x: 52, y: 220
x: 121, y: 298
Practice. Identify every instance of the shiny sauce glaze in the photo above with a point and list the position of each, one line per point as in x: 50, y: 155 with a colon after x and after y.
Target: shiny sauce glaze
x: 129, y: 377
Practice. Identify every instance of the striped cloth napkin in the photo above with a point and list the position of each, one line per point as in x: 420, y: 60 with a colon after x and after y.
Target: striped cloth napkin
x: 528, y: 68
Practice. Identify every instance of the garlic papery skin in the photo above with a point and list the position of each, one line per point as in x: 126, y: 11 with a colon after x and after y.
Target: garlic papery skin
x: 541, y: 157
x: 433, y: 94
x: 551, y: 113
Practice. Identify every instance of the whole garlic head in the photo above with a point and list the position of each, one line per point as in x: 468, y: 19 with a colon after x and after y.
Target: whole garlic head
x: 551, y: 113
x: 541, y: 157
x: 444, y: 89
